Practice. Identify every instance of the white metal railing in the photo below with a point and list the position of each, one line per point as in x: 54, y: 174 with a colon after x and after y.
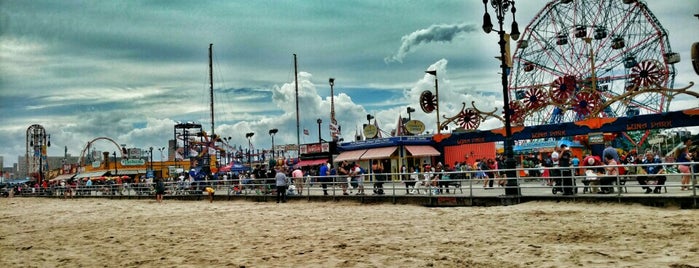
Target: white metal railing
x: 459, y: 183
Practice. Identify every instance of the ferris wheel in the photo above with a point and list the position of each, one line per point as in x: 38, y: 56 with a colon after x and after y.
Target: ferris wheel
x: 582, y: 58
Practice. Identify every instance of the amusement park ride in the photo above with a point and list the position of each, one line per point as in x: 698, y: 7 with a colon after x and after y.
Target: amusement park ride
x: 37, y: 143
x: 584, y: 59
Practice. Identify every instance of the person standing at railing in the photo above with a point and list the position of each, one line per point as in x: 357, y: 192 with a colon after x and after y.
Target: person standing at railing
x: 412, y: 180
x: 554, y: 171
x: 488, y: 166
x: 611, y: 151
x: 159, y: 190
x: 323, y: 172
x: 501, y: 174
x: 297, y: 177
x: 376, y: 171
x: 282, y: 183
x: 343, y: 171
x: 357, y: 175
x: 651, y: 169
x: 547, y: 164
x: 566, y: 172
x: 684, y: 159
x: 575, y: 161
x: 611, y: 174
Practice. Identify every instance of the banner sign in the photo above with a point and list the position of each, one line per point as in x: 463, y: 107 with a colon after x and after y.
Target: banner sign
x: 675, y: 119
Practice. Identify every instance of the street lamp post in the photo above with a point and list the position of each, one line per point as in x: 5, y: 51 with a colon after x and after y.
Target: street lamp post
x: 116, y: 169
x: 272, y: 132
x: 501, y: 7
x: 150, y: 151
x: 319, y: 121
x: 161, y: 149
x: 410, y: 110
x: 228, y: 151
x: 436, y: 93
x: 249, y: 136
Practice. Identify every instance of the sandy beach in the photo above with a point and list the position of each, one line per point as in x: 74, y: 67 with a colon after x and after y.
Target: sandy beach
x: 42, y: 232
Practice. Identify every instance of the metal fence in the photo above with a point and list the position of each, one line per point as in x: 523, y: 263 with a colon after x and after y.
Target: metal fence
x: 456, y: 183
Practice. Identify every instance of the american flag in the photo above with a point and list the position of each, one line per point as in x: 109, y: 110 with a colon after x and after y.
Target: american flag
x: 305, y: 132
x: 334, y: 129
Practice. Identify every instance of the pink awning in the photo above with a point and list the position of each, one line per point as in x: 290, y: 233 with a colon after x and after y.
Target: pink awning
x: 350, y: 155
x: 379, y: 153
x: 422, y: 150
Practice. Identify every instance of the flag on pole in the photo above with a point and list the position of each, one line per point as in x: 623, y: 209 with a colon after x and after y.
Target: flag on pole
x: 305, y: 132
x: 334, y: 130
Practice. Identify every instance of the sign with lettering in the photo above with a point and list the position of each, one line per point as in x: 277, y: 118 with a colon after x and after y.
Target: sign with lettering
x: 415, y: 127
x: 132, y: 162
x: 314, y: 148
x: 370, y: 131
x: 134, y: 153
x: 595, y: 138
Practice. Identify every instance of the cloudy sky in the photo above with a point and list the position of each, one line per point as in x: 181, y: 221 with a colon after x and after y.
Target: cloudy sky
x: 129, y: 70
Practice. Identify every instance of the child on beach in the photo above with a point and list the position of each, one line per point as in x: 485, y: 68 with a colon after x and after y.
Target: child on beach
x: 210, y: 191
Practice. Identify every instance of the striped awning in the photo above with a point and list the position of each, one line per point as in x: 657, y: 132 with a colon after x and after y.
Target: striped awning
x: 311, y: 162
x: 62, y: 177
x: 422, y: 150
x: 90, y: 174
x: 130, y: 172
x: 350, y: 155
x: 379, y: 153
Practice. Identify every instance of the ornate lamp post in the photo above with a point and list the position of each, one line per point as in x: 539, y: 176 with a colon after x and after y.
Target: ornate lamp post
x: 272, y: 132
x: 501, y: 7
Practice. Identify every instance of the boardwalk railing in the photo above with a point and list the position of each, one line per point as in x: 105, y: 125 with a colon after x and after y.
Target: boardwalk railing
x: 455, y: 183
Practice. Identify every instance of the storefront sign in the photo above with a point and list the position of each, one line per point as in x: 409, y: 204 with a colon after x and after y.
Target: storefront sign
x: 315, y: 148
x: 370, y: 131
x: 134, y: 153
x: 132, y: 162
x: 415, y: 127
x: 595, y: 138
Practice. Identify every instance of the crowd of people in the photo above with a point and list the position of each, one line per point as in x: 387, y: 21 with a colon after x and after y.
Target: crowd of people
x: 559, y: 168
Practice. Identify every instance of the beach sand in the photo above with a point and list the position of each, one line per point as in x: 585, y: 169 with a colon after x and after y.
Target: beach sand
x: 42, y: 232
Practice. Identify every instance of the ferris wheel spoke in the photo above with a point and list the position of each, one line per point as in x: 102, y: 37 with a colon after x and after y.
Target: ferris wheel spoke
x: 547, y: 54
